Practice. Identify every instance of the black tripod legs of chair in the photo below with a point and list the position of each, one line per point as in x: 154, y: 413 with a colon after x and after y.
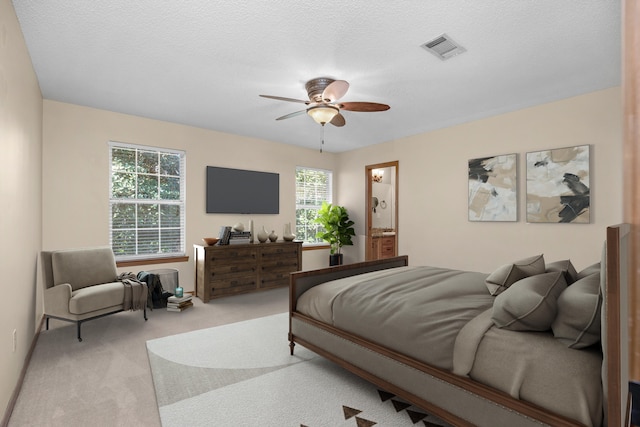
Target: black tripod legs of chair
x: 79, y: 322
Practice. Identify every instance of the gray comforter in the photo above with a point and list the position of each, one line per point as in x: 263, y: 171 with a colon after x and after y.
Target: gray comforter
x: 418, y: 313
x: 442, y: 317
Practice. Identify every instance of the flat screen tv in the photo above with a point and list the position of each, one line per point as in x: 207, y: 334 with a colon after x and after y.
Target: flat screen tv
x: 237, y: 191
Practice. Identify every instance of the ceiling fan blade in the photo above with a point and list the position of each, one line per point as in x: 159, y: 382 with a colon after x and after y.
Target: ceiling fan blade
x: 338, y: 120
x: 296, y: 113
x: 335, y: 90
x: 363, y: 106
x: 281, y: 98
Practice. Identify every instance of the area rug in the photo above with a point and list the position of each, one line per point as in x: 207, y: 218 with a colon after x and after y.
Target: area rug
x: 241, y: 374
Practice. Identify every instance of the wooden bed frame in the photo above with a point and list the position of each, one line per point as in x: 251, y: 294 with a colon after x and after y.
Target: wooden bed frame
x: 459, y: 400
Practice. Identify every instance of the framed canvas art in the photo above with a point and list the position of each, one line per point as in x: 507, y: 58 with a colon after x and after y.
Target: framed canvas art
x: 493, y: 188
x: 558, y: 185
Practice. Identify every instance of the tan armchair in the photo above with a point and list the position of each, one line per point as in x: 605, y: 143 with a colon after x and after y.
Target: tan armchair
x: 82, y: 284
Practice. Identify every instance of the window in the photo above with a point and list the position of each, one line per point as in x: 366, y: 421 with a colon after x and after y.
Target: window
x: 313, y: 186
x: 146, y: 202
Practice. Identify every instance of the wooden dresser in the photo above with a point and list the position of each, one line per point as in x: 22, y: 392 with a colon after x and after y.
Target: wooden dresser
x: 233, y: 269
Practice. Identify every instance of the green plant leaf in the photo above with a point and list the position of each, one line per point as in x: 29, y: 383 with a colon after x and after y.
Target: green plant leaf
x: 338, y: 228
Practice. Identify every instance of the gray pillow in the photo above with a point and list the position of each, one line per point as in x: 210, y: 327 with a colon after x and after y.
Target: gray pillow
x: 508, y: 274
x: 578, y: 321
x: 593, y: 268
x: 565, y: 266
x: 530, y: 304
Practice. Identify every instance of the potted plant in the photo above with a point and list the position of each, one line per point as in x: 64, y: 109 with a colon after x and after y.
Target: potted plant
x: 338, y: 229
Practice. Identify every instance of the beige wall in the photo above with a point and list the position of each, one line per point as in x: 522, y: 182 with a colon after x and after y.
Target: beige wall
x: 433, y: 183
x: 433, y: 221
x: 20, y: 193
x: 76, y: 177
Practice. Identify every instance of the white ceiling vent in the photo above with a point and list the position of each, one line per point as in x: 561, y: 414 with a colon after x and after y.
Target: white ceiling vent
x: 443, y: 47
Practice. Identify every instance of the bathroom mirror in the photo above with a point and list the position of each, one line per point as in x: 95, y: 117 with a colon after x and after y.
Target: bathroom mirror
x: 382, y: 210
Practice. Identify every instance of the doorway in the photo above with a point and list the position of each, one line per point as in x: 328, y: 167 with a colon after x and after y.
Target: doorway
x: 382, y: 210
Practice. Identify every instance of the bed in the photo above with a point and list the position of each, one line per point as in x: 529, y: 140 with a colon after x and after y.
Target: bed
x: 499, y: 349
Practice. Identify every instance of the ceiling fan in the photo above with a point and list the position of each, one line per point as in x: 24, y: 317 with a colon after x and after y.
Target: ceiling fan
x: 324, y: 107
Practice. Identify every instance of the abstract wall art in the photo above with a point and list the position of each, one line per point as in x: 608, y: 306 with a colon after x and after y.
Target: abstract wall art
x: 558, y: 188
x: 493, y: 188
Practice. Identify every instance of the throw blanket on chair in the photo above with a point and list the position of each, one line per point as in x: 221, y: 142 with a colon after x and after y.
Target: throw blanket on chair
x: 135, y: 292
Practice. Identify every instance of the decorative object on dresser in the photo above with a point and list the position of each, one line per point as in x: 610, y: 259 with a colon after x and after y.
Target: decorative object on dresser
x: 210, y: 240
x: 240, y: 238
x: 273, y: 236
x: 263, y: 235
x: 225, y: 234
x: 288, y: 236
x: 229, y: 270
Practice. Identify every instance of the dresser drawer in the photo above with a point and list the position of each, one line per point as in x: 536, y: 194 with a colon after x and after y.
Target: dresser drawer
x: 221, y: 270
x: 229, y: 254
x: 274, y: 280
x: 277, y: 252
x: 234, y: 282
x: 278, y: 264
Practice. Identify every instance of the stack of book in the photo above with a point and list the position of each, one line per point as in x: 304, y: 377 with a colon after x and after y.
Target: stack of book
x: 179, y: 304
x: 239, y: 237
x: 224, y: 235
x: 230, y: 237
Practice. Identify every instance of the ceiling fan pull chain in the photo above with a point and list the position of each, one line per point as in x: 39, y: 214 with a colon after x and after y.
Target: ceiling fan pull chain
x: 322, y: 137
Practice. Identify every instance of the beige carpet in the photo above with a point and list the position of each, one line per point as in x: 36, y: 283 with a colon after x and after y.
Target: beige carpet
x: 105, y: 380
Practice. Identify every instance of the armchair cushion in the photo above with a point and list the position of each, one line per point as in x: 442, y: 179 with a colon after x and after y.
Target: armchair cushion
x: 92, y: 298
x: 82, y: 268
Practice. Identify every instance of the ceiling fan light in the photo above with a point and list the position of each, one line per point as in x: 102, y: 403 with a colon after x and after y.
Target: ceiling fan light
x: 323, y: 113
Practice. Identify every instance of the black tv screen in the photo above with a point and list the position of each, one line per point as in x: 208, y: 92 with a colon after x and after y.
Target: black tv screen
x: 240, y: 191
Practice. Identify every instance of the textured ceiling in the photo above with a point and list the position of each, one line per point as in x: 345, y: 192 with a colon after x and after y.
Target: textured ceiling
x: 203, y: 63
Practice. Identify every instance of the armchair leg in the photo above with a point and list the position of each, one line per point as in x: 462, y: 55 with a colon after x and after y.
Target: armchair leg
x: 47, y: 322
x: 79, y: 337
x: 144, y: 312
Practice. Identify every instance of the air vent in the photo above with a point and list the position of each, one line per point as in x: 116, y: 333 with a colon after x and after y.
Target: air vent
x: 443, y: 47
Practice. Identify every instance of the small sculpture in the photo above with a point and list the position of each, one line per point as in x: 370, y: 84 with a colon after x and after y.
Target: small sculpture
x: 262, y: 235
x: 288, y: 236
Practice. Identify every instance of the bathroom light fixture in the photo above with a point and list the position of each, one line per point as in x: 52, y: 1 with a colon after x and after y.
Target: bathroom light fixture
x: 377, y: 174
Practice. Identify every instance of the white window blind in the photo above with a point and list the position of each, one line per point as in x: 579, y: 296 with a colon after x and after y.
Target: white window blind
x: 146, y: 202
x: 313, y: 186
